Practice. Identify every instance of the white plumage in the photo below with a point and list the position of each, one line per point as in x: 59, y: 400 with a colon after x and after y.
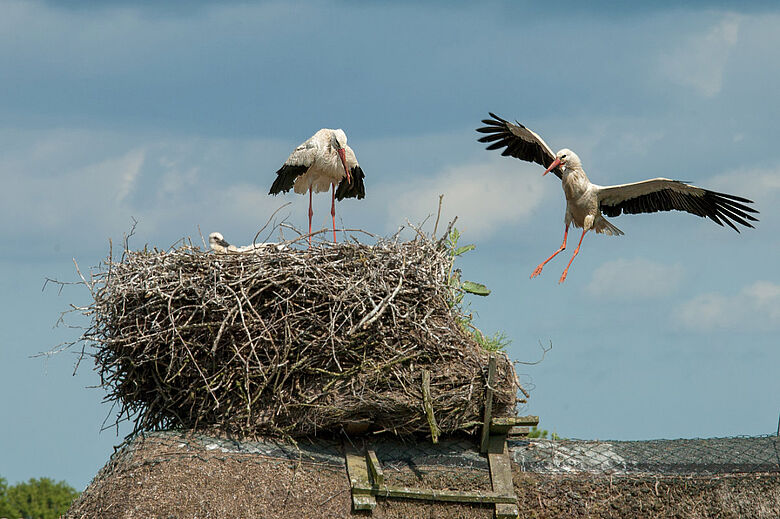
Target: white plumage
x: 321, y: 162
x: 587, y: 203
x: 218, y: 244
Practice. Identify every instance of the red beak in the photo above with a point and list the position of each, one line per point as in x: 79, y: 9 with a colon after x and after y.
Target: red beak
x: 343, y: 156
x: 555, y: 164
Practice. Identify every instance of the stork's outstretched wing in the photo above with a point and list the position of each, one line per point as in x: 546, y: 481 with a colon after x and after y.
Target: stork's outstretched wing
x: 662, y: 194
x: 520, y: 142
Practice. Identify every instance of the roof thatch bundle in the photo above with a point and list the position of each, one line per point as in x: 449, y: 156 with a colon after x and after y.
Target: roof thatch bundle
x: 184, y: 475
x: 293, y: 341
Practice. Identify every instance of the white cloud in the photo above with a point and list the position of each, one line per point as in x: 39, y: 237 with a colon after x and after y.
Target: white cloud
x: 80, y: 188
x: 757, y: 184
x: 756, y: 306
x: 92, y: 193
x: 128, y: 168
x: 483, y: 196
x: 700, y: 61
x: 634, y: 279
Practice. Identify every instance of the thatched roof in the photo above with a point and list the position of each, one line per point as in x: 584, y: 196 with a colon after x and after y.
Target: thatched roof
x: 171, y: 474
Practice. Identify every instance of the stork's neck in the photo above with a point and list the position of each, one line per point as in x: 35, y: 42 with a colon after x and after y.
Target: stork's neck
x: 575, y: 182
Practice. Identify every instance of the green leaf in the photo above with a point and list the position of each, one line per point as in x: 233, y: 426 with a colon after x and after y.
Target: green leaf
x: 461, y: 250
x: 475, y: 288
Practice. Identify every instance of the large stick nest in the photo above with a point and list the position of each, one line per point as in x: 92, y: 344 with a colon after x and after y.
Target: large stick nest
x: 292, y: 342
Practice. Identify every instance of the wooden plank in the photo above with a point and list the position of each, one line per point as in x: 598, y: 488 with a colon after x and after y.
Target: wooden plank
x: 428, y: 405
x: 501, y: 476
x: 359, y: 482
x: 519, y: 431
x: 488, y: 404
x: 531, y: 420
x: 377, y: 476
x: 502, y: 424
x: 445, y: 495
x: 363, y: 502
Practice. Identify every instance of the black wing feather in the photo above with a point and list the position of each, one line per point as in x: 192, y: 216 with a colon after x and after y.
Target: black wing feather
x: 718, y: 207
x: 519, y: 141
x: 285, y: 178
x: 354, y: 189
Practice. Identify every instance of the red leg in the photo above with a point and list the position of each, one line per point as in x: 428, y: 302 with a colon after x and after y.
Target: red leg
x: 333, y: 210
x: 311, y: 213
x: 538, y: 270
x: 563, y: 276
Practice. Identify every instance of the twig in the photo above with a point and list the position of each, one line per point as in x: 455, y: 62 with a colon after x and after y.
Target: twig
x: 374, y: 314
x: 270, y: 218
x: 544, y: 353
x: 438, y: 215
x: 447, y: 232
x: 428, y: 405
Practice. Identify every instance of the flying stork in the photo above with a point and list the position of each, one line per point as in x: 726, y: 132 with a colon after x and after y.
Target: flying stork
x: 587, y: 203
x: 322, y: 161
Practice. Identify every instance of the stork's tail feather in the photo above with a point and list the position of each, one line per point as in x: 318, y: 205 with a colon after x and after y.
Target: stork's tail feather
x: 605, y: 227
x: 354, y: 189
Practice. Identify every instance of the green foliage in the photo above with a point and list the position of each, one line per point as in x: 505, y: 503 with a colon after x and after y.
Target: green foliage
x: 37, y: 499
x: 495, y: 342
x: 475, y: 288
x: 5, y: 510
x: 455, y: 282
x: 542, y: 433
x: 461, y: 250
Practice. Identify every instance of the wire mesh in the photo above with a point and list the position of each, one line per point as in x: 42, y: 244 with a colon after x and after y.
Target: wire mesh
x: 699, y: 456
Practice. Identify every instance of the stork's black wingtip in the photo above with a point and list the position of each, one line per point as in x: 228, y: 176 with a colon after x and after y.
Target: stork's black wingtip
x: 497, y: 118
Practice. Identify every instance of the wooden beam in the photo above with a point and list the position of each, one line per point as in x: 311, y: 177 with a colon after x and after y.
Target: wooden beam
x: 502, y: 424
x: 363, y: 502
x: 377, y: 476
x: 488, y: 403
x: 501, y: 476
x: 428, y: 405
x: 445, y: 495
x: 358, y: 480
x: 519, y: 431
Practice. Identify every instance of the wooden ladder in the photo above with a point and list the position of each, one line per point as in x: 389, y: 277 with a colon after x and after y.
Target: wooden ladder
x: 367, y: 479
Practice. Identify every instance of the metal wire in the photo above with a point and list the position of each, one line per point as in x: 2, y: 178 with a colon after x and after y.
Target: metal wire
x: 700, y: 456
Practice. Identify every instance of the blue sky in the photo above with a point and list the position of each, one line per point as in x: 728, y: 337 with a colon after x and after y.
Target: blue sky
x: 178, y: 114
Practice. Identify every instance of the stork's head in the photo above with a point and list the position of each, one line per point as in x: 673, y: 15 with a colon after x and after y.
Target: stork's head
x: 217, y: 242
x: 339, y: 138
x: 566, y: 159
x: 338, y: 142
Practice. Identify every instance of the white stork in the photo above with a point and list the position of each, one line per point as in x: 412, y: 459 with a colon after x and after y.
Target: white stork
x: 218, y: 244
x: 587, y: 203
x: 324, y: 160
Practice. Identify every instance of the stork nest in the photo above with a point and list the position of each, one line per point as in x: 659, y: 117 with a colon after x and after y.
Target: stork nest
x: 290, y: 342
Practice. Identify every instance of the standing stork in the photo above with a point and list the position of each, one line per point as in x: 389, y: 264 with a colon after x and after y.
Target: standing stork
x: 322, y: 161
x: 587, y: 203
